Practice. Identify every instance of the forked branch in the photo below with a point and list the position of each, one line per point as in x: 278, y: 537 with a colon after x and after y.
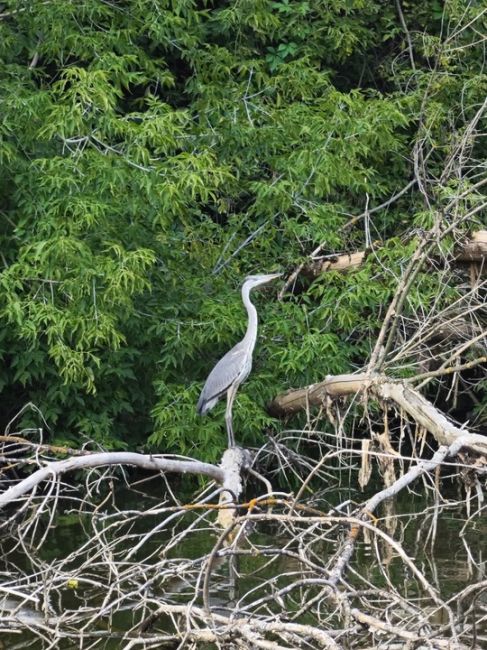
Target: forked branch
x: 399, y: 392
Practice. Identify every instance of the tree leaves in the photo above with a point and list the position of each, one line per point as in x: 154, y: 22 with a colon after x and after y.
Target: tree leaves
x: 153, y: 154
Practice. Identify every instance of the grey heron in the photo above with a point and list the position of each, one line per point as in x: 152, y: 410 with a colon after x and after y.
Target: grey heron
x: 235, y: 366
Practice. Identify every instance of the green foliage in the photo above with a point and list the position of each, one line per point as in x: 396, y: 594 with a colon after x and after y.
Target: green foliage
x: 154, y: 153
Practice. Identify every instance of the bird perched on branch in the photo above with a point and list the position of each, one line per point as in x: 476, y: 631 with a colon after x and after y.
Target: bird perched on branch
x: 235, y: 366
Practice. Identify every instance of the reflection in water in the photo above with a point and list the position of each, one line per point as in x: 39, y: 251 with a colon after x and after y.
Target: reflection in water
x: 131, y: 565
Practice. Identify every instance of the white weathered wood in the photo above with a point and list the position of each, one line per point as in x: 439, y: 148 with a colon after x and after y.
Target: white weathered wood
x: 55, y: 469
x: 233, y: 461
x: 405, y: 397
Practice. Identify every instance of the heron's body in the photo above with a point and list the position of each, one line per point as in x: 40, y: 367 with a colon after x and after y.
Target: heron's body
x: 232, y: 369
x: 235, y: 366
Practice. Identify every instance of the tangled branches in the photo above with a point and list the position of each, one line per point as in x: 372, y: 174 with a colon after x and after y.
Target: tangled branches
x: 116, y: 561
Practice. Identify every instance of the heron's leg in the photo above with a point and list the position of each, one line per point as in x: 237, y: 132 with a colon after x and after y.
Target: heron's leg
x: 232, y: 391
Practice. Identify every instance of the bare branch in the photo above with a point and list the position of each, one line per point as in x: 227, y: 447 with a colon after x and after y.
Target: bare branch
x: 405, y: 397
x: 53, y: 470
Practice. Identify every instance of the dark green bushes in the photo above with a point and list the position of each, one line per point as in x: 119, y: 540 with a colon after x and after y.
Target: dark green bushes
x: 153, y: 154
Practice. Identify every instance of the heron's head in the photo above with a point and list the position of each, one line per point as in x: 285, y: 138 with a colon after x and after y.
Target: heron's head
x: 253, y: 281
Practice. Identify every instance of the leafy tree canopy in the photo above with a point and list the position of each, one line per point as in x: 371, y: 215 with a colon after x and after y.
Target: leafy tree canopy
x: 155, y: 152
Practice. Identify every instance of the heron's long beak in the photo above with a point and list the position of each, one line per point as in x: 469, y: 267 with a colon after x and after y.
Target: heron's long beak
x: 272, y: 276
x: 265, y: 279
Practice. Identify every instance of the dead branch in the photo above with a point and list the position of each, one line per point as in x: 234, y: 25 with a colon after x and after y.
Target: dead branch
x: 317, y: 251
x: 225, y: 627
x: 233, y: 461
x: 405, y: 397
x: 53, y: 470
x: 376, y: 623
x: 366, y: 512
x: 473, y: 250
x: 292, y: 591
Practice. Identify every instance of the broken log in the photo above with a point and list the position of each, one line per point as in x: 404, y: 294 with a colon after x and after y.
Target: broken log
x: 399, y: 392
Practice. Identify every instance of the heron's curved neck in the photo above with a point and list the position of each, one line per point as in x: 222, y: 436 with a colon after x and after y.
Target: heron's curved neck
x: 251, y: 333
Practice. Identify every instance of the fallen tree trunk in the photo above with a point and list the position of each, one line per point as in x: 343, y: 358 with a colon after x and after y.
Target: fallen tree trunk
x: 473, y: 250
x: 403, y: 396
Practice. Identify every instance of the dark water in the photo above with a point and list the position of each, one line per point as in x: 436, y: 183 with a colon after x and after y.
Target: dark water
x: 441, y: 540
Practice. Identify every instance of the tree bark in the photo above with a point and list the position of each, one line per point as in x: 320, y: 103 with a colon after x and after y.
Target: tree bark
x: 403, y: 396
x: 54, y: 470
x: 473, y: 250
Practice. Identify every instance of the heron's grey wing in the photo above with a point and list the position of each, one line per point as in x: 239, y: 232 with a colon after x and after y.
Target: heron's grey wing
x: 232, y: 368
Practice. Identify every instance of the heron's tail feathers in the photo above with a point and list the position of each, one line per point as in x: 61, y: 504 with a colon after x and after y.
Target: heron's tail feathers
x: 204, y: 405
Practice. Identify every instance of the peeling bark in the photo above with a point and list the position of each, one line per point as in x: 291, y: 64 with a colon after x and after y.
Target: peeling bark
x: 405, y: 397
x: 233, y: 461
x: 473, y: 250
